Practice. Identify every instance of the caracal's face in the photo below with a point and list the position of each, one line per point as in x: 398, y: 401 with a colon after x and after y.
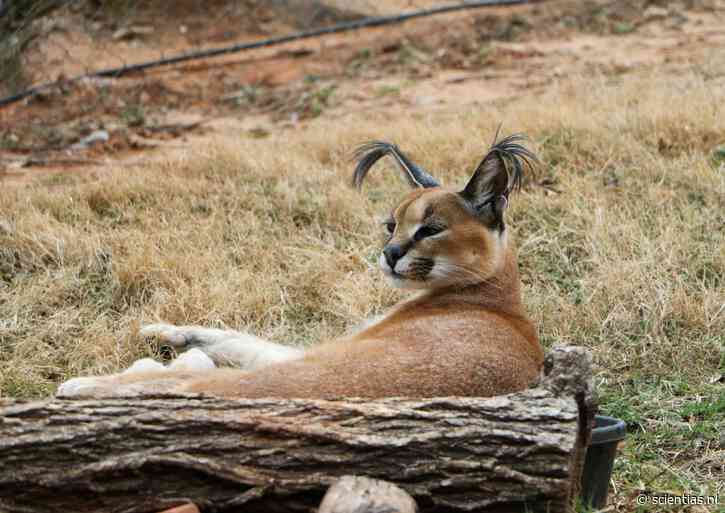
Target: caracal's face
x: 433, y: 240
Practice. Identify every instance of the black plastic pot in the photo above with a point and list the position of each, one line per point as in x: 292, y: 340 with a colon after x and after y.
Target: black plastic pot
x: 607, y: 433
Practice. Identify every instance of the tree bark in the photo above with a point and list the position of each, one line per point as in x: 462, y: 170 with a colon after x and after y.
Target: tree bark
x: 519, y: 452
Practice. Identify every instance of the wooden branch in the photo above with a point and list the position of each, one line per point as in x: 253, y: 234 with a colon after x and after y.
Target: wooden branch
x: 519, y: 452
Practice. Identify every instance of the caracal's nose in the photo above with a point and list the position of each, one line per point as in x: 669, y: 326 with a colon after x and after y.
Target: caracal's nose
x: 393, y: 253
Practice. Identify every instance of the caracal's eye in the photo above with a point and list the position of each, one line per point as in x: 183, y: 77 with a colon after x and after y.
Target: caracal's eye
x: 390, y: 226
x: 428, y: 231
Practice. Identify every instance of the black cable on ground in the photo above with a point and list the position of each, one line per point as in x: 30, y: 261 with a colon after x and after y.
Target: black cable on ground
x: 374, y: 21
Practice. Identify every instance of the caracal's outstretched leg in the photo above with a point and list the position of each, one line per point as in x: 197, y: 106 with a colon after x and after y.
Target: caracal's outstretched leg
x: 224, y: 347
x: 159, y: 376
x: 202, y: 348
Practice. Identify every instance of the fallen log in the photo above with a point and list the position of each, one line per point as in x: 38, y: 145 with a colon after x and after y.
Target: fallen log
x: 518, y: 452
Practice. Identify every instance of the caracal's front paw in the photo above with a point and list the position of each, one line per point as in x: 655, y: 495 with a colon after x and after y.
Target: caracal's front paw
x: 145, y: 365
x: 109, y: 386
x: 174, y: 336
x: 192, y: 360
x: 120, y: 385
x: 144, y: 376
x: 90, y: 387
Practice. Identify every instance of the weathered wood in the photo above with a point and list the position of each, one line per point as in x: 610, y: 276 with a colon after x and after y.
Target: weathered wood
x: 568, y: 371
x: 519, y: 452
x: 355, y: 494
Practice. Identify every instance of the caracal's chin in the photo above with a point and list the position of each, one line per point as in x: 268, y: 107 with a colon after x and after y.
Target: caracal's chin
x: 401, y: 281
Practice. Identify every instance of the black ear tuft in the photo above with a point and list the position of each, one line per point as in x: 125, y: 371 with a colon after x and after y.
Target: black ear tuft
x: 500, y: 172
x: 369, y: 153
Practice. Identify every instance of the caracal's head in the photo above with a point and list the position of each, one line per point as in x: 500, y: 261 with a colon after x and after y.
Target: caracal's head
x: 439, y: 237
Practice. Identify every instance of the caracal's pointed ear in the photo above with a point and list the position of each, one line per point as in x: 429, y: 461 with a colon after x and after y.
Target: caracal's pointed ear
x: 369, y: 153
x: 500, y: 172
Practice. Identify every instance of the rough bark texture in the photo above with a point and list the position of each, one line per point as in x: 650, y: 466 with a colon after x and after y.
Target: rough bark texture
x: 519, y: 452
x: 567, y: 371
x: 354, y: 494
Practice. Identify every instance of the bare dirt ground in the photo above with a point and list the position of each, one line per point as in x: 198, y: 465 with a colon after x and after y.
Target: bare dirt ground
x: 451, y: 62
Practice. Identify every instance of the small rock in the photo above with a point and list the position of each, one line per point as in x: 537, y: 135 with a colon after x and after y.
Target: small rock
x: 654, y: 13
x: 676, y: 19
x: 132, y: 32
x: 5, y: 227
x: 91, y: 139
x: 424, y: 100
x: 355, y: 493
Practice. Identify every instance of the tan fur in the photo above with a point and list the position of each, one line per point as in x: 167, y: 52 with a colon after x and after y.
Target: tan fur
x: 466, y: 335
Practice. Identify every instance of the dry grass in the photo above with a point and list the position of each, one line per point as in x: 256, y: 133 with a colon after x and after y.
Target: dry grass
x: 267, y: 236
